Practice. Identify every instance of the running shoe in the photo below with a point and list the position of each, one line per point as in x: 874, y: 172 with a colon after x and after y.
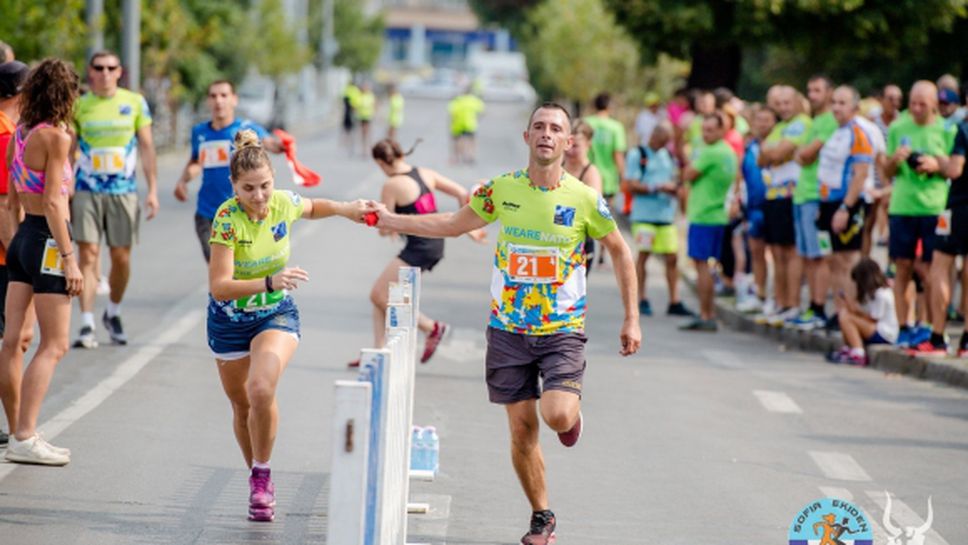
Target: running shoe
x: 839, y: 355
x: 262, y: 496
x: 58, y: 450
x: 570, y: 438
x: 433, y: 340
x: 846, y: 355
x: 542, y: 530
x: 86, y: 338
x: 4, y: 438
x: 904, y: 337
x: 919, y: 334
x: 750, y: 305
x: 928, y: 348
x: 353, y: 364
x: 679, y: 309
x: 113, y: 325
x: 645, y: 308
x: 808, y: 320
x: 34, y: 451
x: 780, y: 318
x: 698, y: 324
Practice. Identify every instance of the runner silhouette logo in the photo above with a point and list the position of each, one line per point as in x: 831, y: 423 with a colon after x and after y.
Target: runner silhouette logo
x: 830, y: 521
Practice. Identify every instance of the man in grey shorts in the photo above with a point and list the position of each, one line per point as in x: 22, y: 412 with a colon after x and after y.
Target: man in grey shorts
x: 536, y: 335
x: 112, y: 125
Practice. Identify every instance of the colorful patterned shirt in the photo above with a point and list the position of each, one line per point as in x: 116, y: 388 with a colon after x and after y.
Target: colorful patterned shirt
x: 260, y: 248
x: 538, y: 279
x: 107, y: 137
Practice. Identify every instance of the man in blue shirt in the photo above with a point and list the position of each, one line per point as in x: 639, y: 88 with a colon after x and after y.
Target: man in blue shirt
x: 755, y: 190
x: 650, y: 174
x: 212, y: 147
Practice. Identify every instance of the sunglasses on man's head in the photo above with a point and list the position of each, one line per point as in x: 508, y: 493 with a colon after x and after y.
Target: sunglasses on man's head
x: 104, y: 67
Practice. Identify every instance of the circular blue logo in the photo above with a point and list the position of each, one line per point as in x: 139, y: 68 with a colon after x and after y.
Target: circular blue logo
x: 831, y: 521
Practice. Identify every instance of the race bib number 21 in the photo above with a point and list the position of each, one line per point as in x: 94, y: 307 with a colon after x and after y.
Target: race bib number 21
x: 532, y: 264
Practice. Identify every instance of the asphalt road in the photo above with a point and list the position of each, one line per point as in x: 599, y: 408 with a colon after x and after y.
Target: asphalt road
x: 700, y: 438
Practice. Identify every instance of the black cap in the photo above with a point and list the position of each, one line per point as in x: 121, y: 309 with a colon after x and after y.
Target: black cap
x: 12, y: 77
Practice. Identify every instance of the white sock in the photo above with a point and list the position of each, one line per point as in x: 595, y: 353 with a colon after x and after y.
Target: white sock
x: 857, y: 352
x: 260, y: 465
x: 114, y: 309
x: 87, y: 319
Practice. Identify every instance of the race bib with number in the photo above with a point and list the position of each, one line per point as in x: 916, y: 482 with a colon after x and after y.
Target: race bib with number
x: 107, y: 160
x: 533, y: 264
x: 51, y: 263
x: 825, y: 243
x: 215, y: 153
x: 260, y: 301
x: 644, y: 239
x: 944, y: 224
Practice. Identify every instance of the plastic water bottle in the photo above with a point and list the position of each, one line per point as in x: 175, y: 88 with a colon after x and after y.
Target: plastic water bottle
x: 432, y: 445
x: 417, y: 449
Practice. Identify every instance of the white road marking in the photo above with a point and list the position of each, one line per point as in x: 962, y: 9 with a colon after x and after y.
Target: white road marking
x: 837, y: 493
x: 839, y: 466
x: 777, y: 402
x: 117, y: 379
x: 724, y: 359
x: 903, y: 516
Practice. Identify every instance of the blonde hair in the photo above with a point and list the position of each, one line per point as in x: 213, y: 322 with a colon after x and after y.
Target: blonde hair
x: 249, y: 154
x: 583, y: 129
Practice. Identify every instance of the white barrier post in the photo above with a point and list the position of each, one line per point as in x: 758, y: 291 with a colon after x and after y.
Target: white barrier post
x: 350, y: 441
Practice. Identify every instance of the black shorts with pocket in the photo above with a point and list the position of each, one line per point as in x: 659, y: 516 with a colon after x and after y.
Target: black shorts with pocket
x: 778, y: 226
x: 515, y: 362
x: 852, y: 238
x: 26, y: 257
x: 952, y: 231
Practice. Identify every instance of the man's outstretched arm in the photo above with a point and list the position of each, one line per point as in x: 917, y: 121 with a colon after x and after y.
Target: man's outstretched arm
x: 631, y: 334
x: 441, y: 225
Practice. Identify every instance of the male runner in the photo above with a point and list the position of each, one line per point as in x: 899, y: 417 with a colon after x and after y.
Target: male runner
x: 113, y: 125
x: 918, y: 146
x: 952, y: 241
x: 845, y: 169
x: 537, y: 318
x: 213, y: 143
x: 811, y: 245
x: 608, y: 146
x: 464, y: 110
x: 711, y: 173
x: 394, y: 111
x: 781, y: 175
x: 365, y: 108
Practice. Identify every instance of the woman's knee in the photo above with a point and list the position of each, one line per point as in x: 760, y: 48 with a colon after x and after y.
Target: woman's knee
x: 261, y: 393
x: 55, y: 349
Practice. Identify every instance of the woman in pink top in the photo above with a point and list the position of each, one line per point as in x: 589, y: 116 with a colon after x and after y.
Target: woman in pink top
x: 41, y: 263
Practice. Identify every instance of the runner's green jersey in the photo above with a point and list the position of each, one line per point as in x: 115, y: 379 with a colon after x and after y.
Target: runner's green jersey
x: 538, y: 276
x: 395, y: 117
x: 107, y: 139
x: 463, y: 112
x: 808, y: 187
x: 717, y: 165
x: 919, y: 194
x: 259, y: 248
x: 608, y: 139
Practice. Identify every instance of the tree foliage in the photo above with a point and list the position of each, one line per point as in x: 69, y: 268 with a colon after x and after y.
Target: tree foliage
x: 44, y: 28
x: 576, y: 49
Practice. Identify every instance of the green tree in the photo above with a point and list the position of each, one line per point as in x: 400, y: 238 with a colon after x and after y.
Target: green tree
x: 813, y: 35
x: 576, y: 50
x: 277, y: 52
x: 44, y: 28
x: 360, y: 37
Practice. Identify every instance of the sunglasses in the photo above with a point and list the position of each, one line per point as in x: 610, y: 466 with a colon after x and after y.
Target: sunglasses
x: 104, y: 68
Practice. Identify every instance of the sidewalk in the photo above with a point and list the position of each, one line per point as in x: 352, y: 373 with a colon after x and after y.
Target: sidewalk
x: 947, y: 370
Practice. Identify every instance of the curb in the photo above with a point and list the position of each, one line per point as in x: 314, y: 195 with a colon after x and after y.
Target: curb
x: 949, y: 371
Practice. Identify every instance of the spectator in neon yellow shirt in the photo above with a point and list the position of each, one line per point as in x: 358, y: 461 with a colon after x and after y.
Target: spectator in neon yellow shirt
x: 395, y: 113
x: 463, y: 111
x: 365, y: 108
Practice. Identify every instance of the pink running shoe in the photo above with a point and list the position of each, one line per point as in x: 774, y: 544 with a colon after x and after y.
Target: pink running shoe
x: 542, y: 530
x: 262, y: 496
x: 570, y: 438
x: 430, y: 345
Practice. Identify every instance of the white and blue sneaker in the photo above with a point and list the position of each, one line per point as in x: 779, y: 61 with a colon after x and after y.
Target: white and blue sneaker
x: 808, y: 320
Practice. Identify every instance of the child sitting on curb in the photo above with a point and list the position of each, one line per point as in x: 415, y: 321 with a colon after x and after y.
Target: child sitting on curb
x: 867, y: 319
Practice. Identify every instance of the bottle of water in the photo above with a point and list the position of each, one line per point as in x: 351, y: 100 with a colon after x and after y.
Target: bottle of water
x: 417, y: 449
x: 432, y: 443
